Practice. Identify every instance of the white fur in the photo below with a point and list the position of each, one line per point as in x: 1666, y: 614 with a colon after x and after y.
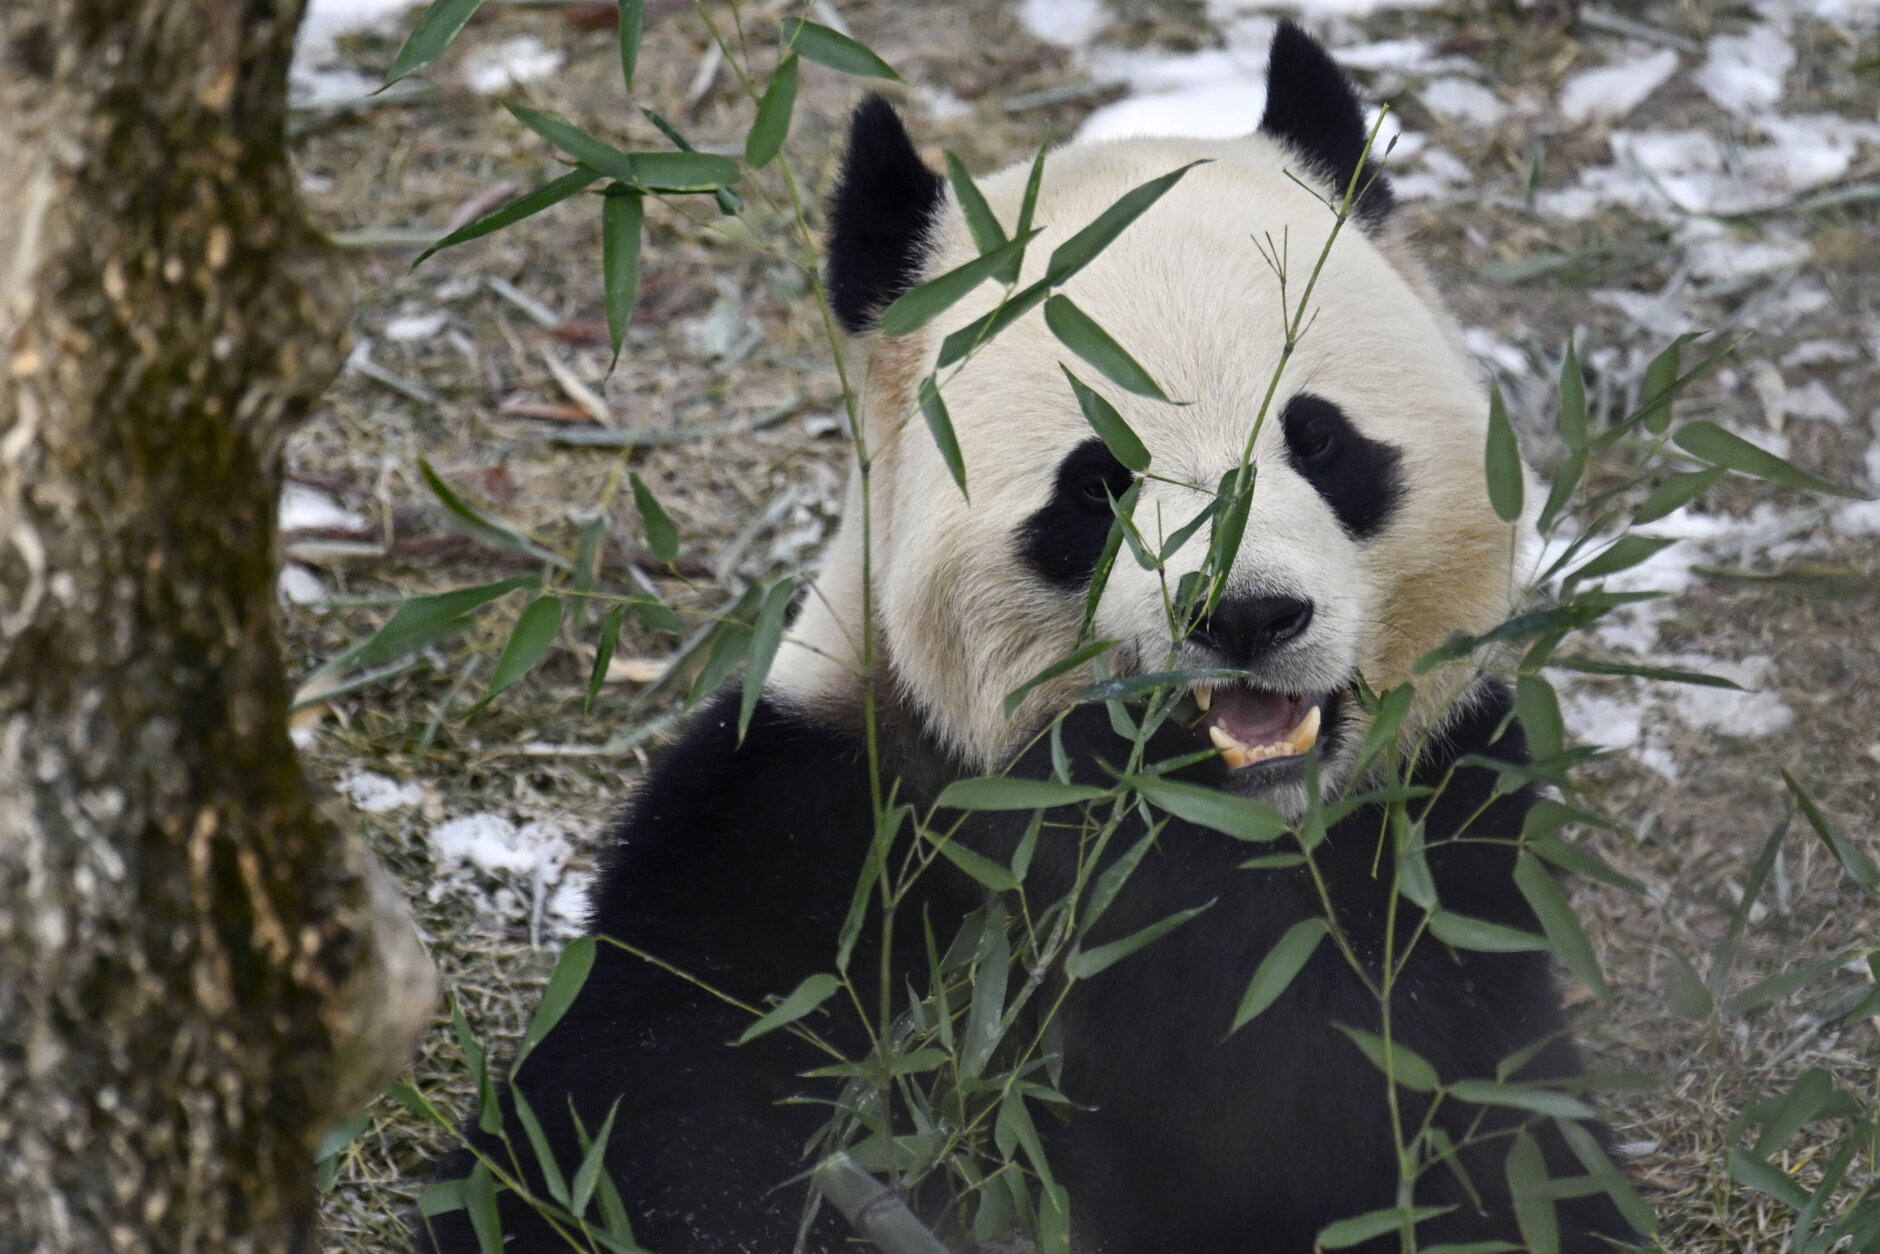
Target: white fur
x: 961, y: 622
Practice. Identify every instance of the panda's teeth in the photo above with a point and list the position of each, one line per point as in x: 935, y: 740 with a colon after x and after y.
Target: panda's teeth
x: 1304, y: 736
x: 1204, y: 697
x: 1224, y: 740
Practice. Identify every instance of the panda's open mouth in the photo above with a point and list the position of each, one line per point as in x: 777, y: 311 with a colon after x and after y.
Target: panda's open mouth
x: 1250, y: 725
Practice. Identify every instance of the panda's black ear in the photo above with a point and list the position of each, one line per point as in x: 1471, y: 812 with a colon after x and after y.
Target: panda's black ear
x: 1312, y: 108
x: 878, y: 217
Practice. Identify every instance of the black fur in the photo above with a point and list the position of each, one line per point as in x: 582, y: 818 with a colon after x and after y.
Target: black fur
x: 1312, y: 107
x: 1062, y: 541
x: 878, y: 218
x: 1360, y: 478
x: 737, y: 864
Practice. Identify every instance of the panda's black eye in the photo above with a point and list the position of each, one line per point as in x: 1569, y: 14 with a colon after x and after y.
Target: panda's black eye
x: 1358, y: 477
x: 1062, y: 540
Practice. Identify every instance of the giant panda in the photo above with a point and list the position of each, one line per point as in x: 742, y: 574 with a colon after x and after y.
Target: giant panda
x: 1370, y: 539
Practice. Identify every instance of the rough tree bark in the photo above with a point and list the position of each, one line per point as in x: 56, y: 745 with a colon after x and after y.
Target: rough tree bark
x: 199, y: 970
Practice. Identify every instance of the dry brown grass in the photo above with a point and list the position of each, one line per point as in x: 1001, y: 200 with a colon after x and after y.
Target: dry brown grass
x: 411, y: 165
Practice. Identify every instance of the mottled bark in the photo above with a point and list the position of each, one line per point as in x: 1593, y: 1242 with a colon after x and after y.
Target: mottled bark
x: 199, y: 970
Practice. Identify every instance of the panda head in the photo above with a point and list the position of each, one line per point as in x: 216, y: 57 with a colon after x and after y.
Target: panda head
x: 1370, y: 538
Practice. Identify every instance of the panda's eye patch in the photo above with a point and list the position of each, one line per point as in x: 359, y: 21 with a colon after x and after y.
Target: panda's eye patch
x: 1358, y: 477
x: 1062, y: 540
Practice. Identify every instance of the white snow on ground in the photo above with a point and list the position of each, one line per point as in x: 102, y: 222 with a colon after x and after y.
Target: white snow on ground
x: 493, y: 68
x: 1744, y: 73
x: 1610, y: 92
x: 421, y: 326
x: 1066, y: 23
x: 1464, y: 101
x: 299, y: 586
x: 530, y: 858
x: 1215, y: 94
x: 315, y: 78
x: 376, y: 794
x: 303, y: 508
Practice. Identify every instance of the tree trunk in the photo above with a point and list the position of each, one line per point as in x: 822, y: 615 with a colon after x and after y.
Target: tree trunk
x: 199, y: 970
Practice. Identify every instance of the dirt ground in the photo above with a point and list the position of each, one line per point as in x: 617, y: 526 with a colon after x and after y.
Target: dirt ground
x: 490, y: 362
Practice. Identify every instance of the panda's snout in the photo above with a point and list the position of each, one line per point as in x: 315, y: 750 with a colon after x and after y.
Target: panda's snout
x: 1245, y: 629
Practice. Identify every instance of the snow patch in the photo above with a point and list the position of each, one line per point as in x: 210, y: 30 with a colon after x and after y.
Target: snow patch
x: 1464, y: 101
x: 497, y: 67
x: 1612, y: 91
x: 1858, y: 518
x: 1066, y: 23
x: 299, y: 586
x: 1215, y: 94
x: 1744, y: 73
x: 305, y: 508
x: 494, y: 843
x: 1747, y: 714
x: 412, y: 327
x: 375, y: 793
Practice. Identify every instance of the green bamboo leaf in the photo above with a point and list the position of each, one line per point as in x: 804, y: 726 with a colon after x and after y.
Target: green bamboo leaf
x: 1392, y: 708
x: 1025, y: 210
x: 683, y: 171
x: 1719, y: 974
x: 484, y: 527
x: 1763, y: 992
x: 590, y: 1170
x: 594, y: 154
x: 767, y: 134
x: 1211, y: 808
x: 1084, y: 963
x: 1127, y: 687
x: 421, y: 620
x: 1464, y: 932
x: 808, y: 995
x: 1626, y: 552
x: 1663, y: 674
x: 479, y: 1200
x: 1233, y: 502
x: 1276, y: 971
x: 1766, y: 1177
x: 1082, y: 248
x: 766, y: 635
x: 1676, y: 492
x: 528, y: 644
x: 622, y: 212
x: 1798, y: 1107
x: 1532, y: 1097
x: 538, y: 1144
x: 1506, y: 479
x: 982, y: 329
x: 1361, y: 1228
x: 1120, y: 510
x: 1533, y: 1204
x: 657, y: 615
x: 603, y: 654
x: 985, y: 1014
x: 918, y: 306
x: 431, y: 36
x: 1571, y: 857
x: 1054, y: 1220
x: 1689, y: 997
x: 662, y: 534
x: 441, y: 1197
x: 1572, y: 401
x: 632, y: 22
x: 516, y: 210
x: 999, y: 879
x: 1001, y: 792
x: 835, y: 50
x: 1709, y: 442
x: 1405, y: 1065
x: 1859, y: 867
x: 1079, y: 332
x: 1094, y: 649
x: 980, y: 220
x: 1108, y: 424
x: 1660, y: 386
x: 1538, y: 707
x: 1561, y: 924
x: 729, y: 202
x: 571, y: 973
x: 1619, y: 430
x: 940, y: 425
x: 1014, y: 1122
x: 1566, y: 479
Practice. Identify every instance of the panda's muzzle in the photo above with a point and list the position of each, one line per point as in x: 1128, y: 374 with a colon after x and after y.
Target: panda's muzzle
x: 1250, y: 725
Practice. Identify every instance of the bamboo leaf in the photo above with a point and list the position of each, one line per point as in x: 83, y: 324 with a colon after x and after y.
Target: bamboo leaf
x: 1507, y: 482
x: 601, y: 157
x: 683, y: 171
x: 419, y: 620
x: 1763, y: 992
x: 516, y: 210
x: 1542, y: 1101
x: 982, y: 329
x: 1079, y: 332
x: 1572, y: 401
x: 1859, y: 867
x: 1538, y: 707
x: 1689, y: 997
x: 538, y: 1144
x: 1120, y: 510
x: 590, y: 1170
x: 1469, y: 933
x: 808, y: 995
x: 622, y: 212
x: 1025, y: 210
x: 999, y: 879
x: 1084, y: 963
x: 485, y: 528
x: 662, y: 534
x: 1533, y: 1205
x: 632, y: 22
x: 603, y: 654
x: 1766, y: 1177
x: 1626, y: 552
x: 1719, y: 973
x: 940, y: 425
x: 1566, y: 479
x: 918, y: 306
x: 980, y: 220
x: 1109, y: 425
x: 1275, y: 973
x: 570, y: 977
x: 1561, y: 924
x: 1001, y: 792
x: 433, y: 33
x: 1676, y: 492
x: 772, y: 124
x: 528, y: 644
x: 1709, y: 442
x: 835, y: 50
x: 479, y: 1200
x: 1405, y: 1065
x: 985, y: 1014
x: 1088, y: 653
x: 1082, y: 248
x: 1660, y: 386
x: 766, y: 636
x: 1393, y: 707
x: 1663, y: 674
x: 1211, y: 808
x: 1361, y: 1228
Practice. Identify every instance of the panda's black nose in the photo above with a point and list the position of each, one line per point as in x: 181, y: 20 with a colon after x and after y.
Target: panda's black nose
x: 1244, y: 628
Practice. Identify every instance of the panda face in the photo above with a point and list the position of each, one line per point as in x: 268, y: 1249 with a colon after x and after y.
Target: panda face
x: 1369, y: 538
